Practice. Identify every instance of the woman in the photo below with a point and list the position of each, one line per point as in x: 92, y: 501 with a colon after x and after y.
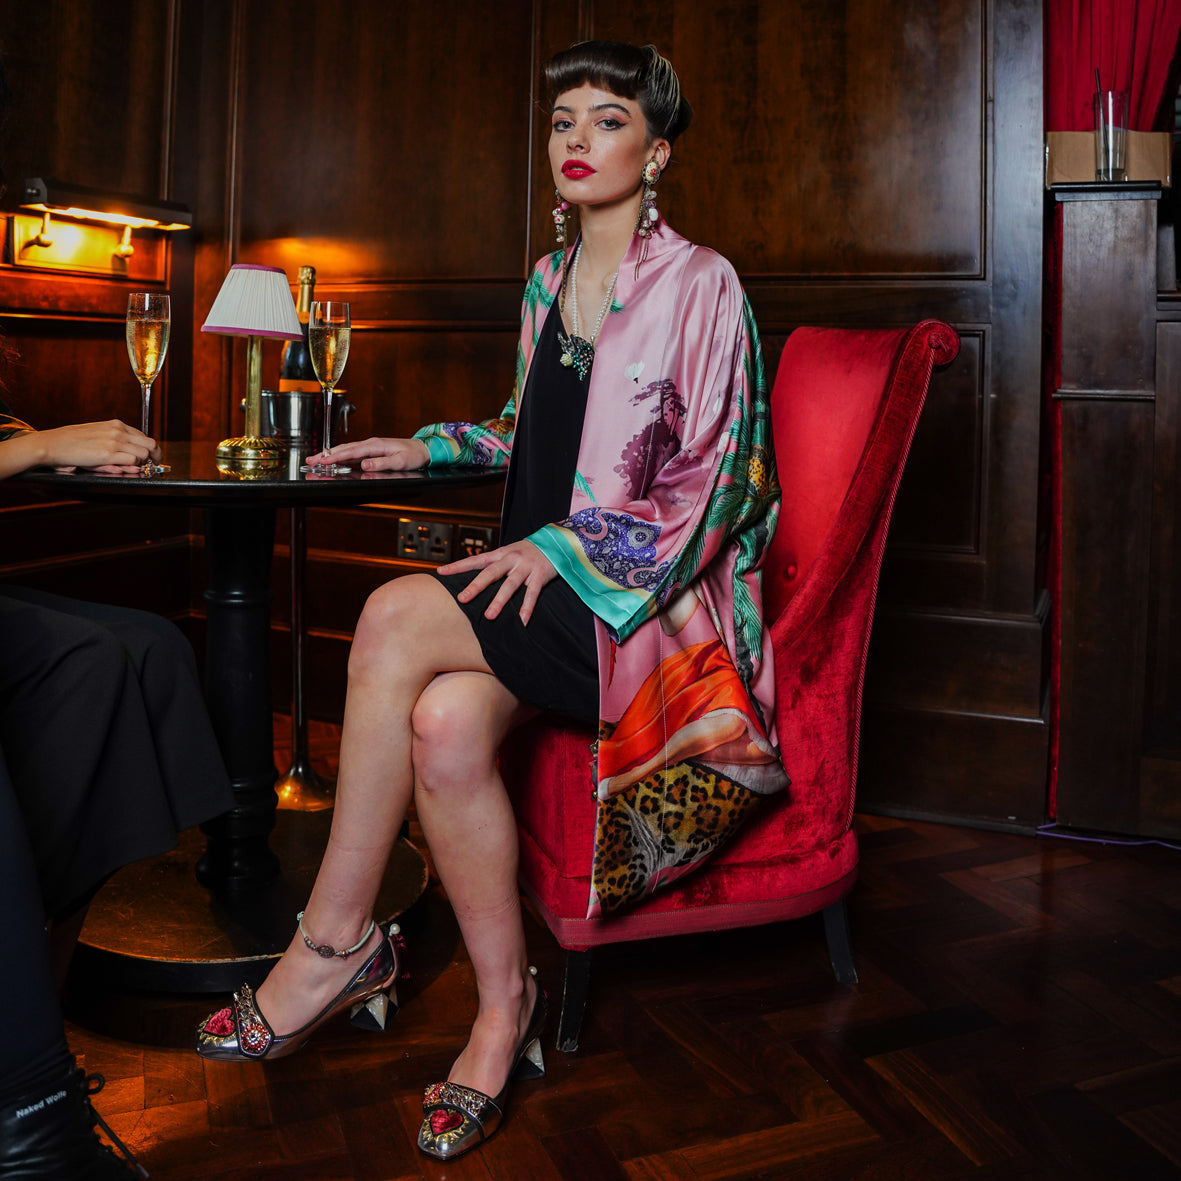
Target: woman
x: 106, y: 754
x: 639, y: 501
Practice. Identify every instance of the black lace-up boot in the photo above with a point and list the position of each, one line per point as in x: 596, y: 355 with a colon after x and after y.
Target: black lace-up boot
x: 48, y: 1135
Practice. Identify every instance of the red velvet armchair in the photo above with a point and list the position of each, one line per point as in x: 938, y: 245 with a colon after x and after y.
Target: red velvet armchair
x: 844, y: 410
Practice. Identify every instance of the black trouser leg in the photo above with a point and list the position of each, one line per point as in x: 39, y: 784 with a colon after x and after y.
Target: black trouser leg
x: 33, y: 1046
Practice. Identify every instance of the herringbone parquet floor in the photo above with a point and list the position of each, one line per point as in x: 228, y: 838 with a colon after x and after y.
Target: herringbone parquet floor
x: 1018, y: 1016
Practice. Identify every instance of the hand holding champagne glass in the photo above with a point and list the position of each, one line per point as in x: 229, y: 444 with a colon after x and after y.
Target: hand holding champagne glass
x: 148, y: 321
x: 328, y: 342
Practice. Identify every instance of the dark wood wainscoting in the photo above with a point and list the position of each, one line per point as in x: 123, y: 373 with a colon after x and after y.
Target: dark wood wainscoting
x: 1119, y: 400
x: 1162, y: 713
x: 139, y: 558
x: 93, y: 86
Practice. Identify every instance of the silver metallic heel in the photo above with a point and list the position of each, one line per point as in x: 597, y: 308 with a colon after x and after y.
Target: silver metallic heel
x: 531, y: 1065
x: 373, y: 1013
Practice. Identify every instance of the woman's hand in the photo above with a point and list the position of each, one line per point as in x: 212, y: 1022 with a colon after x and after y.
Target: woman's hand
x: 516, y: 564
x: 377, y: 455
x: 110, y: 447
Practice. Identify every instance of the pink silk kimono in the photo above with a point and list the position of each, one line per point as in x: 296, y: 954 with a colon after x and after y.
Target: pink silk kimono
x: 674, y: 504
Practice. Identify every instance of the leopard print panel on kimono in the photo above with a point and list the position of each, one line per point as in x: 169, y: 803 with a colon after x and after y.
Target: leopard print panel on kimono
x: 661, y: 827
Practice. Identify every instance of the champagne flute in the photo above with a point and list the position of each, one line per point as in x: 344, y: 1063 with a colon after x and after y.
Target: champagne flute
x: 148, y: 321
x: 328, y: 342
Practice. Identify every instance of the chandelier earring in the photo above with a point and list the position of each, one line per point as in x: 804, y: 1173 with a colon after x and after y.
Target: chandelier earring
x: 558, y: 213
x: 649, y: 215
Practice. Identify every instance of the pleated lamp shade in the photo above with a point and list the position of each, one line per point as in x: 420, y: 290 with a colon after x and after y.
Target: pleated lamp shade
x: 254, y: 301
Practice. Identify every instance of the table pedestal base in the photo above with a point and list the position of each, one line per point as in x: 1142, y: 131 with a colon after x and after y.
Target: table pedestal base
x: 301, y: 788
x: 153, y: 926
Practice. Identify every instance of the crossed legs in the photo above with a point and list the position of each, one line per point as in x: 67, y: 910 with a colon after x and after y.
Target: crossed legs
x: 424, y: 717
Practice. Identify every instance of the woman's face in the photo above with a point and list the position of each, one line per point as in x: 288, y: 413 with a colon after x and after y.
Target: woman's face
x: 598, y: 144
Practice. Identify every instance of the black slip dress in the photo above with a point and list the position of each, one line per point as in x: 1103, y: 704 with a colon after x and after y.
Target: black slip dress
x: 553, y: 662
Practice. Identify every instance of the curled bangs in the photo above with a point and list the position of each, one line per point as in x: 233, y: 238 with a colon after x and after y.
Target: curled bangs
x: 631, y: 71
x: 619, y: 69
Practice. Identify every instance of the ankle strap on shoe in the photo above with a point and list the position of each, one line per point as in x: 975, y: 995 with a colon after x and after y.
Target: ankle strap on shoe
x: 326, y: 950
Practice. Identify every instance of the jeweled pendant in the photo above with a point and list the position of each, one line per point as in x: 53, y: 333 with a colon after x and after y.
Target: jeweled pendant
x: 577, y: 352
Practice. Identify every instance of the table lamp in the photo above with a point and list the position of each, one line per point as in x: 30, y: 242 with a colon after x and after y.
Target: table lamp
x: 254, y: 302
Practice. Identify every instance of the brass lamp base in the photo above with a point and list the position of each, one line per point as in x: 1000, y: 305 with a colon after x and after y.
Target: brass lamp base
x: 249, y: 454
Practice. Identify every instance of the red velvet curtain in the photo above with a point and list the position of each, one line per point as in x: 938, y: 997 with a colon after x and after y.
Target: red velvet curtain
x: 1132, y: 43
x: 1136, y: 46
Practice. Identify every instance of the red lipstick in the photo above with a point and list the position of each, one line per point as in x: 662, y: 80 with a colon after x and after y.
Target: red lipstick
x: 576, y: 169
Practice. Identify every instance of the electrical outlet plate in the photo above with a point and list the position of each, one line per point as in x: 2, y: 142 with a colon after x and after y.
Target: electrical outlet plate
x: 472, y: 539
x: 425, y: 541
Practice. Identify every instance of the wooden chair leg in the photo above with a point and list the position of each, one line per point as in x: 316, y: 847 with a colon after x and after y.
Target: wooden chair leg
x: 575, y: 988
x: 840, y: 948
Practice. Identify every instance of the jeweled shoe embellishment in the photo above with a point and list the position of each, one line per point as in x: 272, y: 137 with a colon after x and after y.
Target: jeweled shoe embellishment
x: 462, y: 1097
x: 254, y: 1035
x: 445, y: 1121
x: 220, y: 1024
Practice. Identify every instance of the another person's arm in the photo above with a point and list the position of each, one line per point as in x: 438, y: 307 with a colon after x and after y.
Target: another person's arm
x: 106, y: 446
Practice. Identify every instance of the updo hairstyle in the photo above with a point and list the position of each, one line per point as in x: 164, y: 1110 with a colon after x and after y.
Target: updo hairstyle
x: 630, y: 71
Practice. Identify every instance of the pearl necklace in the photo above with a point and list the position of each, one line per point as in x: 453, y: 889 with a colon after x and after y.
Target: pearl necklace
x: 577, y: 351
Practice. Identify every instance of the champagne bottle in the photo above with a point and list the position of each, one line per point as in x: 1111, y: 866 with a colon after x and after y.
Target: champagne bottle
x: 295, y: 365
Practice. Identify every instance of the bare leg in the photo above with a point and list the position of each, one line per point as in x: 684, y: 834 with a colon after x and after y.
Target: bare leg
x: 459, y: 723
x: 409, y: 632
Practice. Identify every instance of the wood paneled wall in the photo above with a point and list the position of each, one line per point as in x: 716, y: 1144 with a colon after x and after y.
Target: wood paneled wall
x: 93, y: 85
x: 862, y: 162
x: 1119, y: 409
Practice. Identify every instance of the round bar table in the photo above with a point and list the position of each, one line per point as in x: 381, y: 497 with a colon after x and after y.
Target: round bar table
x: 204, y: 919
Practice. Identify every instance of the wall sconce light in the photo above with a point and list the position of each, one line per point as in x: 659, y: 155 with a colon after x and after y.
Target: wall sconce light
x: 55, y: 198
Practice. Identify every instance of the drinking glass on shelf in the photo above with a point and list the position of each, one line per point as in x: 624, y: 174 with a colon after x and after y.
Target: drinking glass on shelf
x: 148, y: 320
x: 328, y: 342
